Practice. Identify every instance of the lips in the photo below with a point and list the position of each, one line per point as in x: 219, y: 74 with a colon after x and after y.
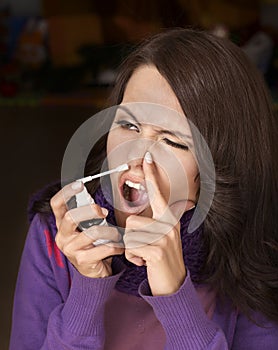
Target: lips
x: 133, y: 195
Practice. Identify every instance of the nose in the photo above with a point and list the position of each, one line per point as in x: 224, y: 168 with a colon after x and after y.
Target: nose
x: 137, y: 150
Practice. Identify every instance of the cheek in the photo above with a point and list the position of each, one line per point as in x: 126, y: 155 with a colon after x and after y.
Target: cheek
x: 191, y: 170
x: 113, y: 140
x: 183, y: 183
x: 175, y: 173
x: 164, y: 181
x: 116, y: 153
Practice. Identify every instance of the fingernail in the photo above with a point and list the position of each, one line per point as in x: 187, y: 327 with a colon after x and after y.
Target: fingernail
x: 76, y: 185
x: 148, y: 158
x: 104, y: 211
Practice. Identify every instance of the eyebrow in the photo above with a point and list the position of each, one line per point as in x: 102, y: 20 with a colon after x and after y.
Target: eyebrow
x: 162, y: 131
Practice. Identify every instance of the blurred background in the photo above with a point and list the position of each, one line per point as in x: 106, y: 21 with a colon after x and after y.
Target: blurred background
x: 58, y: 63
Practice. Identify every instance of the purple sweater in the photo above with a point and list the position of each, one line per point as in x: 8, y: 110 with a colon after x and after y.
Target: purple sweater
x: 55, y: 307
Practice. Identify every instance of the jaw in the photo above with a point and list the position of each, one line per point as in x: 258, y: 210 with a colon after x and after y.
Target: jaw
x: 121, y: 216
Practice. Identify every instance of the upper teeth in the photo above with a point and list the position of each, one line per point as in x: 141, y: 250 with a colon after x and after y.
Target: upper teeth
x: 137, y: 186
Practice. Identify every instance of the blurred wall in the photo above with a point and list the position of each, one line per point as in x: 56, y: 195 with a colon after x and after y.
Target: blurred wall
x: 23, y: 7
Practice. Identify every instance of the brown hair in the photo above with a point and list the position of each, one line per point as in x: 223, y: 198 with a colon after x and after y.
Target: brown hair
x: 225, y: 97
x: 222, y: 93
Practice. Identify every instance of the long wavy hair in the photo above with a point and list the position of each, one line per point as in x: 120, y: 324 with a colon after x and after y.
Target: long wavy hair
x: 225, y: 96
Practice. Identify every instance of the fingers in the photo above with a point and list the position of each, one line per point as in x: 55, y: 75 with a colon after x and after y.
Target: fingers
x: 152, y: 253
x: 142, y: 239
x: 84, y: 252
x: 73, y: 217
x: 104, y: 233
x: 88, y: 259
x: 139, y: 256
x: 59, y: 200
x: 141, y: 231
x: 157, y: 201
x: 92, y: 262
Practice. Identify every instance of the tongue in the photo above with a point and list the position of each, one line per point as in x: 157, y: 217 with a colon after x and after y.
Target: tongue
x: 138, y: 197
x: 134, y: 194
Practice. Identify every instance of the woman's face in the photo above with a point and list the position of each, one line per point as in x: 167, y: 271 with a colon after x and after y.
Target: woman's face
x: 150, y: 118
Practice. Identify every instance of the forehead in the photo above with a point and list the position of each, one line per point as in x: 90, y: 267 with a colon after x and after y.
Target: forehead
x: 147, y: 85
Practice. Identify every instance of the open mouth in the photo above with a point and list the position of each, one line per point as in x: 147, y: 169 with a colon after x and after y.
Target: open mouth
x: 134, y: 194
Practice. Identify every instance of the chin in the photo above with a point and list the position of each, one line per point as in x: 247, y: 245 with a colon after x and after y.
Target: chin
x: 121, y: 216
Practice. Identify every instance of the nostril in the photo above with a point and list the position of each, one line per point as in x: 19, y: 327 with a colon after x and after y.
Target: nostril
x: 135, y: 162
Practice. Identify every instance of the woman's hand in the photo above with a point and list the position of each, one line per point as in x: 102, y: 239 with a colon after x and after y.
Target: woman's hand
x: 89, y: 260
x: 155, y: 242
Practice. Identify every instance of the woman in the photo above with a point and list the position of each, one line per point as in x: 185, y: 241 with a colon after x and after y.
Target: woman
x: 165, y: 286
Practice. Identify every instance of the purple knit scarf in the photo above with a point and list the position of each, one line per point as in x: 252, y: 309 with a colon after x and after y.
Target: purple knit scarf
x: 193, y: 250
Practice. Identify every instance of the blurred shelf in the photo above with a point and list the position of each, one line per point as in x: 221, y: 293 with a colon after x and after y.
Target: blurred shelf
x: 95, y: 97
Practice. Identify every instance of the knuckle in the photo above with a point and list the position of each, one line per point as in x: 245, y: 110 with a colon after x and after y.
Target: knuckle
x: 58, y: 241
x: 96, y: 208
x: 92, y: 231
x: 175, y: 233
x: 128, y: 220
x: 118, y: 236
x: 68, y: 217
x: 159, y: 254
x: 111, y: 250
x: 164, y: 242
x: 54, y: 202
x: 168, y: 230
x: 126, y: 238
x: 67, y: 251
x: 169, y: 236
x: 131, y: 220
x: 80, y: 258
x: 112, y: 234
x: 114, y: 250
